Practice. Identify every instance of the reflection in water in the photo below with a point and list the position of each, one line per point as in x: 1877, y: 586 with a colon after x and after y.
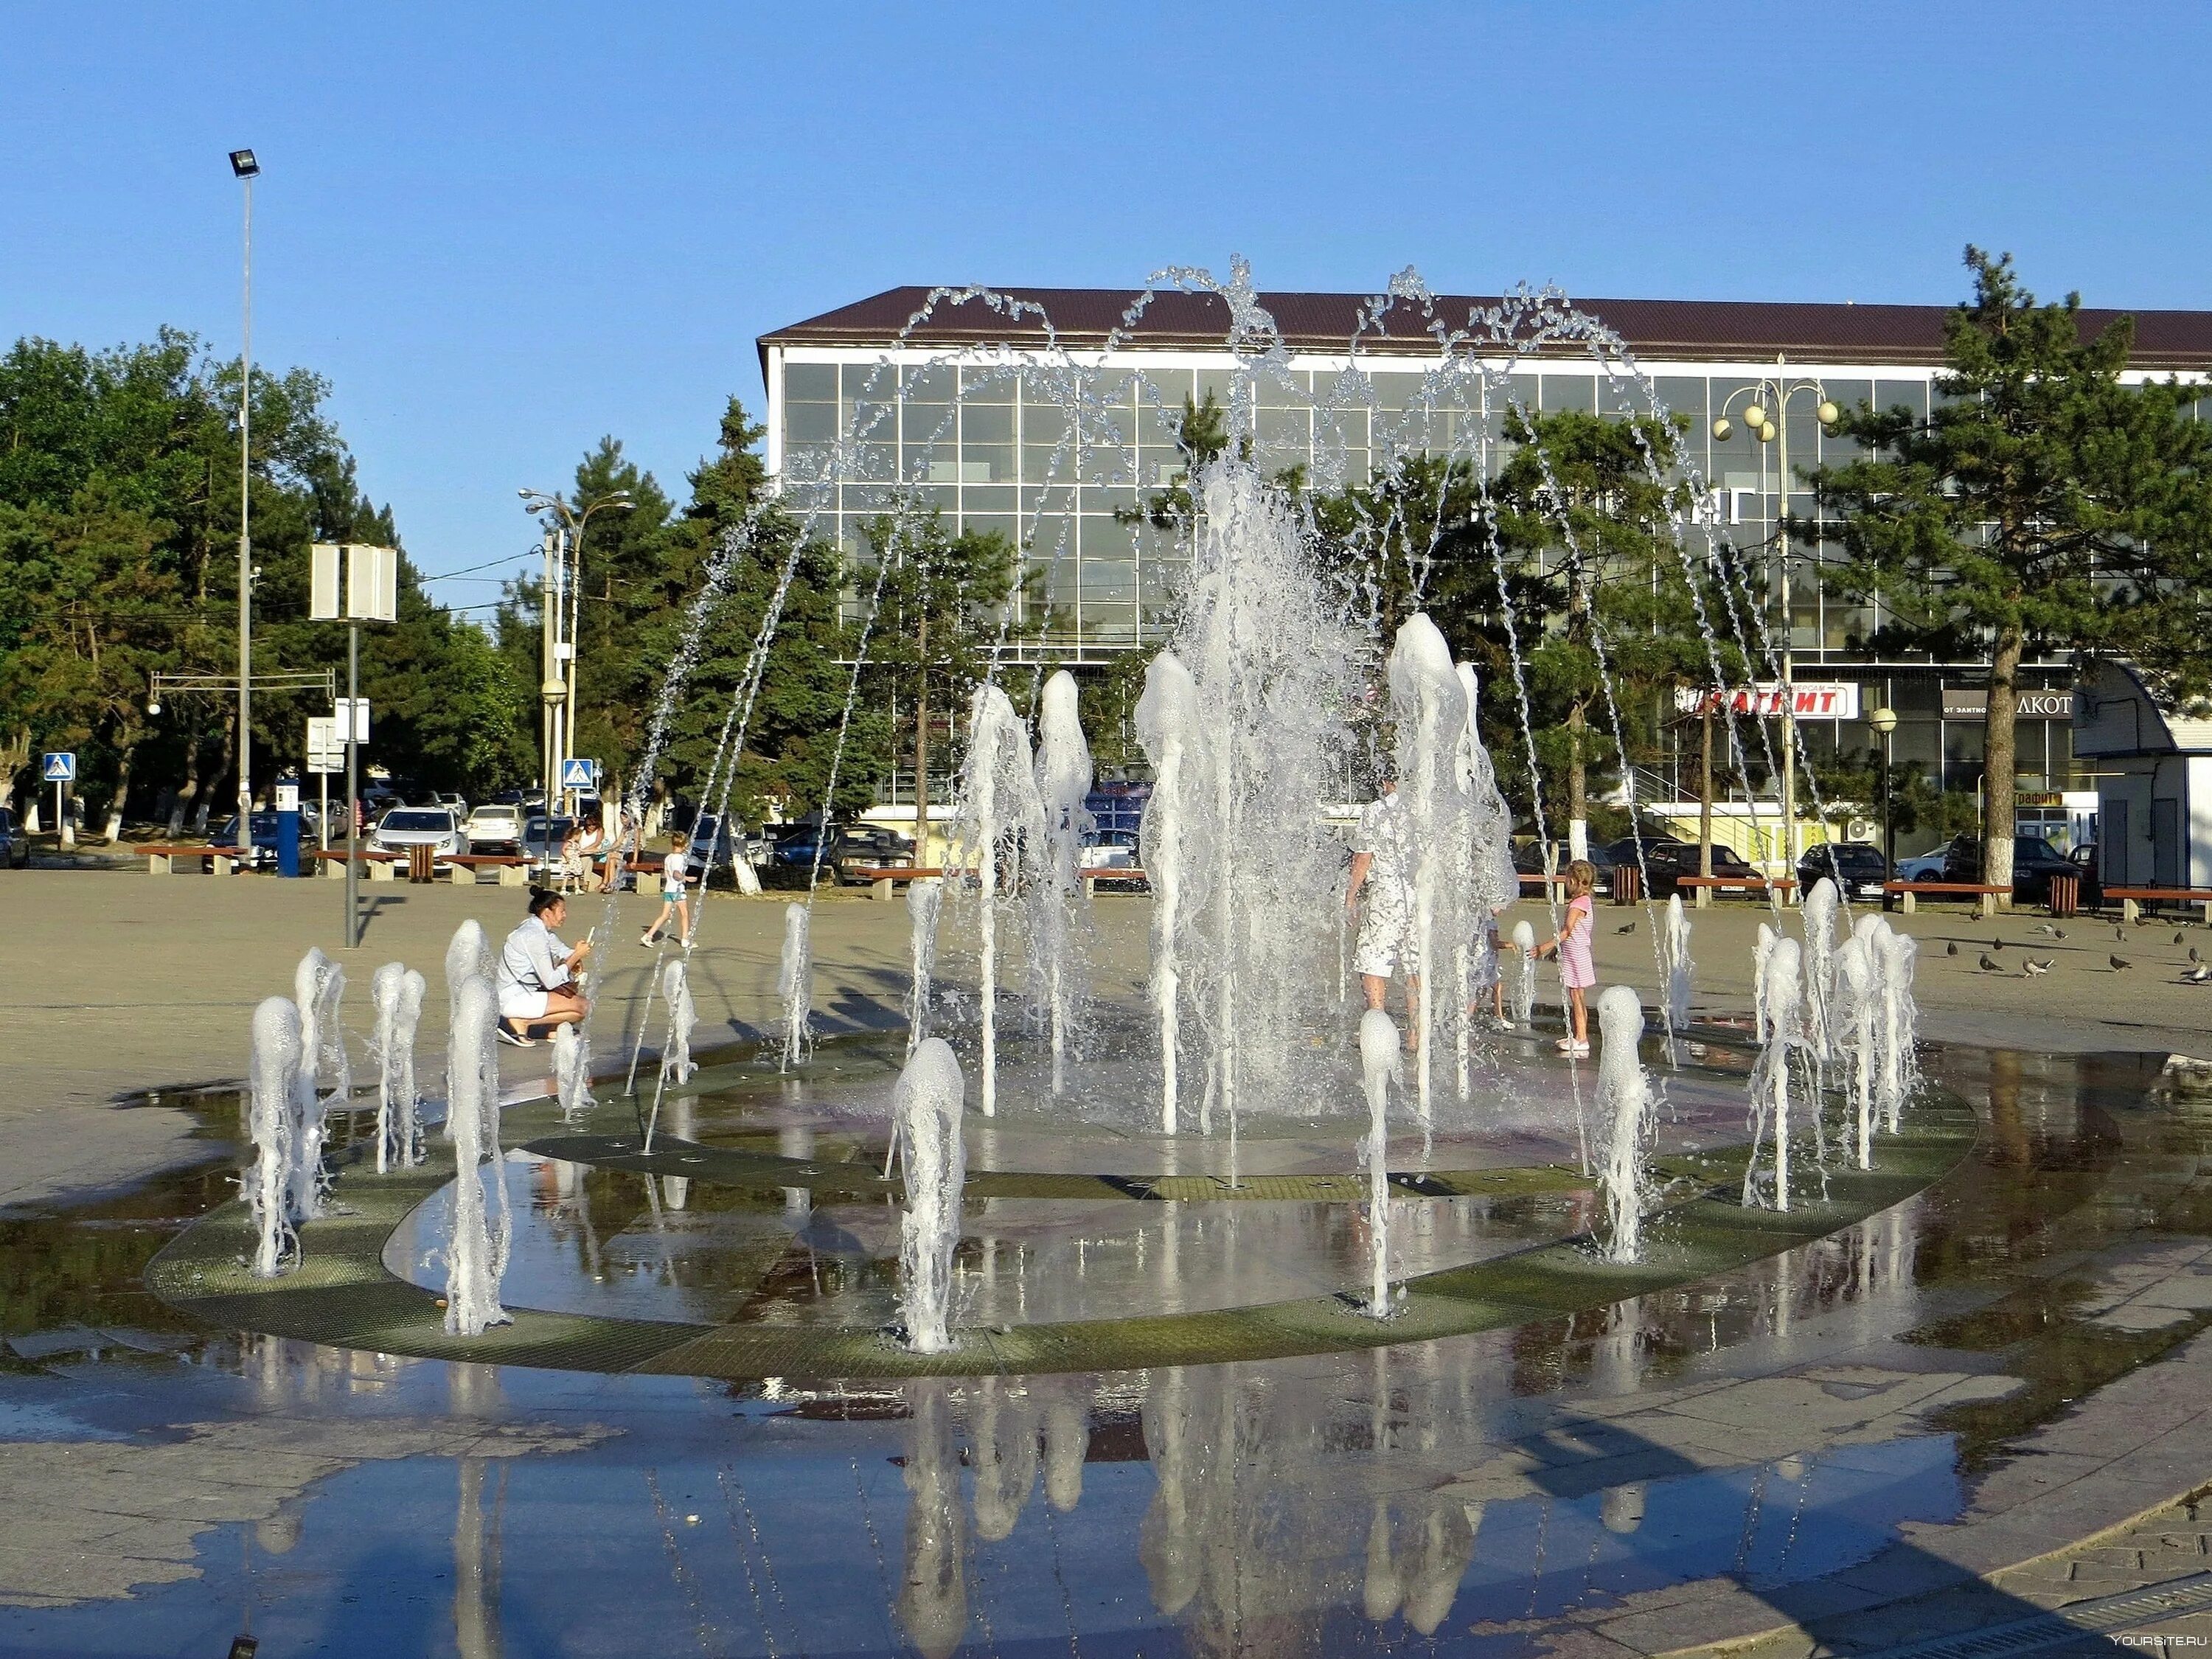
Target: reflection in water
x: 1003, y: 1429
x: 933, y: 1599
x: 477, y: 1560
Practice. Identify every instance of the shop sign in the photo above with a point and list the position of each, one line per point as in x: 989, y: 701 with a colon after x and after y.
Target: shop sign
x: 1809, y: 700
x: 1971, y: 703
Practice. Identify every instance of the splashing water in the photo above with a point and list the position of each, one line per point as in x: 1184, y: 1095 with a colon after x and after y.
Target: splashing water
x: 794, y: 985
x: 274, y: 1080
x: 1900, y: 1025
x: 1000, y: 820
x: 1625, y: 1105
x: 1428, y: 705
x: 928, y: 1107
x: 475, y: 1253
x: 572, y: 1072
x: 1379, y: 1051
x: 925, y: 897
x: 1682, y: 971
x: 318, y: 984
x: 1168, y: 727
x: 468, y: 956
x: 397, y: 992
x: 1063, y: 780
x: 675, y: 1065
x: 1524, y: 977
x: 1762, y: 952
x: 1782, y: 1004
x: 1820, y: 925
x: 1486, y: 835
x: 1853, y: 1025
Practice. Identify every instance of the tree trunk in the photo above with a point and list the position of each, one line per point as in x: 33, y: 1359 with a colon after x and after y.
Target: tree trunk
x: 223, y: 771
x: 1999, y: 750
x: 191, y: 792
x: 921, y: 749
x: 127, y: 744
x: 1578, y: 788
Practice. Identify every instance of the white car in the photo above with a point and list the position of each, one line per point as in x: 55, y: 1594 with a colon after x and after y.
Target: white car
x: 494, y: 829
x: 1922, y: 866
x: 434, y: 827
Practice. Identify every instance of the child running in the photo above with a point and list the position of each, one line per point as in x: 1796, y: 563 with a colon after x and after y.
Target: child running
x: 675, y: 899
x: 1577, y: 972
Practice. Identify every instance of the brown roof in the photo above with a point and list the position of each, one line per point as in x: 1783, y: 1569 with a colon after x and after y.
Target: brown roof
x: 1724, y: 329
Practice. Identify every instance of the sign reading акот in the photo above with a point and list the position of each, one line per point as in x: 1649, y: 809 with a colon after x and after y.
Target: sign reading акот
x: 1971, y: 703
x: 1808, y: 700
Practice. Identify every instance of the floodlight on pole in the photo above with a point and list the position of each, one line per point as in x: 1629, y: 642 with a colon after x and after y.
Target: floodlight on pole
x: 242, y: 164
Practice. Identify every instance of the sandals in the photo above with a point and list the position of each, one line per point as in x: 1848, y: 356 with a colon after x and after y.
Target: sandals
x: 513, y: 1037
x: 1573, y: 1049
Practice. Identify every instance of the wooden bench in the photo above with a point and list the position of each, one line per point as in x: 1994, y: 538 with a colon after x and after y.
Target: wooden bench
x: 166, y: 861
x: 2132, y: 899
x: 380, y: 866
x: 882, y: 879
x: 1754, y: 886
x: 511, y: 869
x: 1987, y: 895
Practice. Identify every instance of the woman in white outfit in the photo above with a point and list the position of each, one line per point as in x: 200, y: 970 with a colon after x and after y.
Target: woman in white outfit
x: 536, y: 973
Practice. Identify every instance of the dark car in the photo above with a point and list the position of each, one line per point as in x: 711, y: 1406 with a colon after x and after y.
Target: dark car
x: 1668, y: 859
x: 871, y: 847
x: 1528, y: 859
x: 264, y: 838
x: 1856, y: 867
x: 15, y: 845
x: 2034, y: 861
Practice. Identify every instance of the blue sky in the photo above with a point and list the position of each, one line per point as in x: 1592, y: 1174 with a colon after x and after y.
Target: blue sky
x: 502, y: 230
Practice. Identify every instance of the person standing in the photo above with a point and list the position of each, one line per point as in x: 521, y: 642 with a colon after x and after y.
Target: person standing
x: 1577, y: 968
x: 1379, y: 897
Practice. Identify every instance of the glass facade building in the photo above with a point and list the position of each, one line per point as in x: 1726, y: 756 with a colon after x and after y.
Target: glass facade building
x: 970, y: 413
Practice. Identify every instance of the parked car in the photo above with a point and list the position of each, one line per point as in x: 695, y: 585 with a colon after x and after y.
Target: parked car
x: 870, y: 846
x: 264, y: 849
x: 1670, y: 860
x: 1856, y: 867
x: 2084, y: 860
x: 404, y: 827
x: 542, y: 838
x: 1923, y: 866
x: 1115, y: 849
x: 2034, y: 861
x: 494, y: 829
x: 15, y: 845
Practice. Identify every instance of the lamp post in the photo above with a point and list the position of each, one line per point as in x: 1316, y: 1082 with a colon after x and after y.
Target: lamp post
x: 1884, y: 722
x: 564, y: 571
x: 1766, y: 417
x: 245, y: 169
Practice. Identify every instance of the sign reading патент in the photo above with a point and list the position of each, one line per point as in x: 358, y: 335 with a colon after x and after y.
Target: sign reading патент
x: 1808, y: 700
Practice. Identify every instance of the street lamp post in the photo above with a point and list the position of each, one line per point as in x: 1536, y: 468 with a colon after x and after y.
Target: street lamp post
x: 561, y: 599
x: 1771, y: 425
x: 245, y: 169
x: 1884, y: 722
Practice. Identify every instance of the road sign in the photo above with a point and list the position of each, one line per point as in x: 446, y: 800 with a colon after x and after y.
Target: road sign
x: 60, y: 769
x: 326, y: 748
x: 352, y: 712
x: 368, y: 576
x: 577, y: 773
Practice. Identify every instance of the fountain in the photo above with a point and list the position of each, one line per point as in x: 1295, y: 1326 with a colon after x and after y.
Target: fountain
x: 1167, y: 727
x: 1524, y: 977
x: 468, y: 956
x: 1682, y: 971
x: 927, y: 1106
x: 1492, y: 882
x: 572, y: 1072
x: 925, y: 897
x: 318, y: 985
x: 1063, y: 782
x: 932, y: 1598
x: 1900, y: 1021
x: 1625, y: 1105
x: 397, y: 993
x: 1001, y: 821
x: 794, y: 984
x: 273, y: 1081
x: 1853, y: 1024
x: 1782, y: 1032
x: 1429, y: 708
x: 1820, y: 925
x: 476, y: 1252
x: 675, y: 1065
x: 1380, y: 1047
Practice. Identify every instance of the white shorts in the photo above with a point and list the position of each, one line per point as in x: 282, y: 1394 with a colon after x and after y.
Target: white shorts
x: 521, y: 1005
x: 1386, y: 937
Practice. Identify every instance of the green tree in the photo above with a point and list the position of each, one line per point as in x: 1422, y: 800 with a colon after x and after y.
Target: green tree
x: 2041, y: 506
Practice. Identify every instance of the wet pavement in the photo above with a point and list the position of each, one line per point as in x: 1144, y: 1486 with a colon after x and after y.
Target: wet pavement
x: 1853, y: 1418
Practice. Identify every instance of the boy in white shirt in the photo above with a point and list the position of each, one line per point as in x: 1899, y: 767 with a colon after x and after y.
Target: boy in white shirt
x: 675, y: 899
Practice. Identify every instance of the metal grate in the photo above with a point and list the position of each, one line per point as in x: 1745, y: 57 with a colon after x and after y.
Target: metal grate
x: 2151, y: 1605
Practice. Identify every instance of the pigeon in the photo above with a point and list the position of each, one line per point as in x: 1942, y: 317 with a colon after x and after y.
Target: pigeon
x: 1996, y: 944
x: 2050, y: 928
x: 2193, y: 957
x: 2201, y: 973
x: 1951, y: 949
x: 2179, y: 939
x: 2121, y: 934
x: 1626, y: 927
x: 1990, y: 964
x: 2033, y: 968
x: 2118, y: 962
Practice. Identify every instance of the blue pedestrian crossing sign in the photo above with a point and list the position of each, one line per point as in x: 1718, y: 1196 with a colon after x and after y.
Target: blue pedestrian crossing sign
x: 576, y: 774
x: 61, y: 768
